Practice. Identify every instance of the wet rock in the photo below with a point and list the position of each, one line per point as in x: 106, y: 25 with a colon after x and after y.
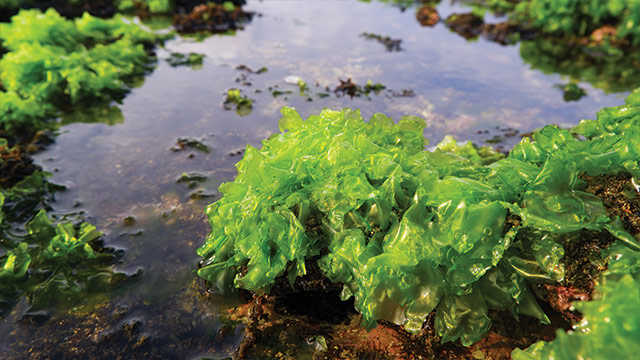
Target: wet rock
x: 403, y: 93
x: 202, y: 194
x: 248, y: 69
x: 213, y: 18
x: 129, y: 220
x: 427, y: 15
x: 308, y: 320
x: 619, y: 196
x: 467, y: 25
x: 504, y: 33
x: 348, y: 87
x: 190, y: 142
x: 191, y: 176
x: 15, y: 165
x: 41, y: 140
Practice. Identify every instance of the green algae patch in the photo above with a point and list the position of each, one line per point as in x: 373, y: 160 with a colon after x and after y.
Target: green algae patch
x: 54, y: 64
x: 610, y: 326
x: 53, y: 260
x: 408, y: 231
x: 242, y: 103
x: 150, y: 6
x: 582, y: 18
x: 54, y: 263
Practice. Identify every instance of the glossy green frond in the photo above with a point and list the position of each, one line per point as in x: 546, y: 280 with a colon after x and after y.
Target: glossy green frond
x: 53, y: 61
x: 409, y: 231
x: 51, y: 263
x: 610, y: 328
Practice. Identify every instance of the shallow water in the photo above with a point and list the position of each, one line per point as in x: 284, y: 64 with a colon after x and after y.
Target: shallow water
x: 472, y: 90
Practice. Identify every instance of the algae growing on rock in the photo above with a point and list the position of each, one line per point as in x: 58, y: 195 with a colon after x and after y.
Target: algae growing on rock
x: 54, y: 64
x: 409, y: 231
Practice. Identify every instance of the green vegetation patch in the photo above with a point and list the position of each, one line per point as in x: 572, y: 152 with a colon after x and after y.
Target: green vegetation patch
x: 458, y: 230
x: 54, y: 64
x: 611, y: 325
x: 583, y: 17
x: 194, y: 60
x: 242, y: 103
x: 53, y: 261
x: 151, y: 6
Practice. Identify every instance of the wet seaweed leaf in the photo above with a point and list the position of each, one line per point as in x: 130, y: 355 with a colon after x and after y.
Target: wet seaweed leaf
x: 52, y: 262
x: 611, y: 324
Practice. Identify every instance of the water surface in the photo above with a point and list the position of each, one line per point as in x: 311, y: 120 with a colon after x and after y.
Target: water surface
x: 473, y: 90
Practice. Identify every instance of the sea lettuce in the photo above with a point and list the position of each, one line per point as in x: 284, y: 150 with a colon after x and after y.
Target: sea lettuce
x: 611, y: 325
x: 152, y: 6
x: 54, y: 264
x: 52, y: 260
x: 409, y: 231
x: 54, y: 63
x: 581, y: 17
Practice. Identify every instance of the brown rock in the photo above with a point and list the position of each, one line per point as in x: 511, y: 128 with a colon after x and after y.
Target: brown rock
x: 427, y: 16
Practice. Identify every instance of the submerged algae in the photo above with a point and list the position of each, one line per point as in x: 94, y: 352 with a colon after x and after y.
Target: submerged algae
x: 53, y: 260
x: 53, y: 263
x: 52, y: 66
x: 409, y: 231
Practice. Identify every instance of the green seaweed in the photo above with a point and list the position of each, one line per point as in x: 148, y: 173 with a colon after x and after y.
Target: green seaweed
x: 243, y: 105
x: 571, y: 91
x: 194, y: 60
x: 409, y: 231
x: 611, y: 324
x: 152, y: 6
x: 56, y: 260
x: 582, y: 17
x: 54, y: 263
x: 54, y: 64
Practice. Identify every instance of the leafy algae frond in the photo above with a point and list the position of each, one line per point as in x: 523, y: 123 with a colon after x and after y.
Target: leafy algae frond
x: 409, y: 231
x: 610, y: 327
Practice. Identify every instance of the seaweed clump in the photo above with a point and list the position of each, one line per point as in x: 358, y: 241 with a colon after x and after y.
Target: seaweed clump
x: 52, y: 260
x: 610, y: 326
x: 617, y: 20
x: 54, y: 64
x: 408, y: 231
